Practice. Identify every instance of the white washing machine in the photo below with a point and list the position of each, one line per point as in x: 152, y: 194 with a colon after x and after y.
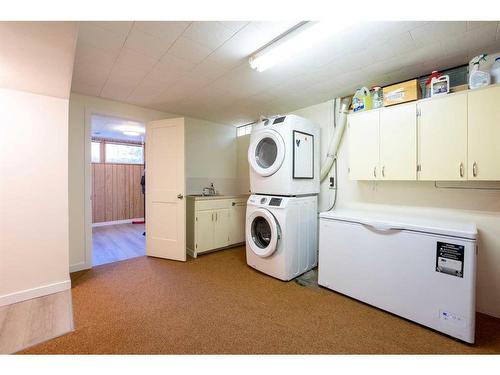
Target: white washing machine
x: 284, y: 156
x: 282, y: 235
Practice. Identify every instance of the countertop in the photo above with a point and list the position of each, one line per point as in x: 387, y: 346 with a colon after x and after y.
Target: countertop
x: 210, y: 197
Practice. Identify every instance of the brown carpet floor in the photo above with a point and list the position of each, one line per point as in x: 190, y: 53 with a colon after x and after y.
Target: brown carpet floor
x: 217, y: 304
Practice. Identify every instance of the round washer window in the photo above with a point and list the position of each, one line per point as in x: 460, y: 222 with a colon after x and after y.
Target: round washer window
x: 261, y: 232
x: 266, y: 153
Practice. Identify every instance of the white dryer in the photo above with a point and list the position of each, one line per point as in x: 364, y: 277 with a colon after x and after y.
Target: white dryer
x: 282, y: 235
x: 284, y: 156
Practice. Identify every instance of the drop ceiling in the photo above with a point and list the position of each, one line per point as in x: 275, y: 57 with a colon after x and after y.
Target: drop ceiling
x: 200, y: 69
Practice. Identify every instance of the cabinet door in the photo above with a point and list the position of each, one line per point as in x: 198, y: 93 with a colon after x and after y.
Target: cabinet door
x: 484, y: 134
x: 221, y: 228
x: 205, y: 221
x: 398, y: 142
x: 442, y: 138
x: 237, y: 223
x: 364, y: 145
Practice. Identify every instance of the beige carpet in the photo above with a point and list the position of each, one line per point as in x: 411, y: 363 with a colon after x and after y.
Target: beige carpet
x: 217, y: 304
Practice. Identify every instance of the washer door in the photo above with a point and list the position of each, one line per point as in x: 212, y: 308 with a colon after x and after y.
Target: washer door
x: 266, y: 153
x: 263, y: 232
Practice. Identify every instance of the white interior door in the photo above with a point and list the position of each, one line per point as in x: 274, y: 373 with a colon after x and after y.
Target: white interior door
x: 165, y: 189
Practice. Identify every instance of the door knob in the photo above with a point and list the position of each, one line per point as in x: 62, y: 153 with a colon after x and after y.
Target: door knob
x: 180, y: 196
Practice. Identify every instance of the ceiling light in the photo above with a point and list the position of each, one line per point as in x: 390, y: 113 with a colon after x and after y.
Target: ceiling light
x: 130, y: 128
x: 294, y: 41
x: 133, y: 134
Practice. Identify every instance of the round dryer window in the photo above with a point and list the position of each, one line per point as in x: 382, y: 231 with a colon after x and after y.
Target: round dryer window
x: 262, y: 232
x: 266, y: 153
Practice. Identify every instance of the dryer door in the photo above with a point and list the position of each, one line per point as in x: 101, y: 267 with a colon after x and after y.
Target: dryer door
x: 266, y: 153
x: 263, y: 232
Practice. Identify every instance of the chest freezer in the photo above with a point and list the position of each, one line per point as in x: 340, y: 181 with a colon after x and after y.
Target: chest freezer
x: 419, y: 268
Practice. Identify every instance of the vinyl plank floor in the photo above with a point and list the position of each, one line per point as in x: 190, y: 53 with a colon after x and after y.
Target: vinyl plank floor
x: 112, y: 243
x: 34, y: 321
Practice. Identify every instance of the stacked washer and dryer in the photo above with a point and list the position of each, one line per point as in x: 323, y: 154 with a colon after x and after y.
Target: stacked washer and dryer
x: 281, y: 218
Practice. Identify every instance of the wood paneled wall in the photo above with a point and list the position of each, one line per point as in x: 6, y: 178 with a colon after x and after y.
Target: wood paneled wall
x: 116, y: 192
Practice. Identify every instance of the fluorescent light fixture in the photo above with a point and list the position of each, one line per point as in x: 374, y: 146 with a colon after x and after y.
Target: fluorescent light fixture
x: 296, y: 40
x: 133, y: 134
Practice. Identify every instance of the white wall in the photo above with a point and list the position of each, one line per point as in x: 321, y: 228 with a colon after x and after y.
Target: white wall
x: 36, y: 62
x: 34, y: 191
x: 210, y: 157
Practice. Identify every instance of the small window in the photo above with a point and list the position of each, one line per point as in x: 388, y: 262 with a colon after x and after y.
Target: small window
x: 243, y: 130
x: 124, y: 154
x: 95, y: 152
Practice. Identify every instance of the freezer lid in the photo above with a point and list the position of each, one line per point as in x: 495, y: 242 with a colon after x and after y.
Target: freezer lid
x: 388, y: 220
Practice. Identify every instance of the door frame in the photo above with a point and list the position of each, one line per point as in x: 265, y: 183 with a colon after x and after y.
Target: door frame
x: 88, y: 112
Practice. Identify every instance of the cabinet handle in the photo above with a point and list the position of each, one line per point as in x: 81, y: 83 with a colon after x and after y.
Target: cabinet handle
x: 474, y: 169
x: 212, y: 216
x: 216, y: 216
x: 383, y: 171
x: 375, y: 171
x: 461, y: 169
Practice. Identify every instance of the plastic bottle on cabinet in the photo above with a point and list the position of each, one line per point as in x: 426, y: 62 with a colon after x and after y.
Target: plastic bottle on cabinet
x: 377, y: 98
x: 478, y: 78
x: 495, y: 71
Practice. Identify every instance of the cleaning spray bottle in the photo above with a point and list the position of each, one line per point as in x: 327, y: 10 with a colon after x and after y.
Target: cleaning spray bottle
x: 478, y: 78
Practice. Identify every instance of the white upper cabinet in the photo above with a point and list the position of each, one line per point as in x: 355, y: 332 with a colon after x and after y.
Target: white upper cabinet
x: 363, y: 130
x: 484, y: 134
x: 442, y: 138
x: 398, y: 142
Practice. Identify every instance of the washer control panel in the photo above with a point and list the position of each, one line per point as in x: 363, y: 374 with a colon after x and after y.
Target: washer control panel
x: 275, y: 201
x: 269, y: 201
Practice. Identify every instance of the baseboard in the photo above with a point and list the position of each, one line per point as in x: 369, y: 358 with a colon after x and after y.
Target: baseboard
x: 126, y: 221
x: 79, y: 267
x: 41, y: 291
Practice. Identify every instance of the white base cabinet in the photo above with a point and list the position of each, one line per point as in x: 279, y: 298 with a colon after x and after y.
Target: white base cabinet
x: 214, y: 223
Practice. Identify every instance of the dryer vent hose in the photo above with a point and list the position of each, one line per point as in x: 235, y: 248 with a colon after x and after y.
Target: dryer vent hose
x: 331, y: 155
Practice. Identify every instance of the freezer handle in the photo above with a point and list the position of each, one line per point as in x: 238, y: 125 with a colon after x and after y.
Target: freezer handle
x: 380, y: 227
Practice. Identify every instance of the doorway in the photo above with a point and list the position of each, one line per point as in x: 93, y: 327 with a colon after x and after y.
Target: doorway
x: 117, y: 189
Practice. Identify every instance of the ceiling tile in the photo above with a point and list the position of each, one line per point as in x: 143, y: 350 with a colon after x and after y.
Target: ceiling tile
x: 90, y: 55
x: 132, y: 60
x: 210, y: 34
x: 146, y: 92
x: 118, y: 27
x: 147, y: 44
x: 189, y: 50
x: 234, y: 25
x: 432, y: 31
x: 100, y: 38
x: 170, y: 30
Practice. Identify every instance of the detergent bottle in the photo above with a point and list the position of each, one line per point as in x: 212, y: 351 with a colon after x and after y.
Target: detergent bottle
x: 478, y: 78
x: 362, y: 100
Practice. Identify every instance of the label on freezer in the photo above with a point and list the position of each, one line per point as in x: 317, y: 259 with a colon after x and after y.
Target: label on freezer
x: 452, y: 319
x: 450, y: 259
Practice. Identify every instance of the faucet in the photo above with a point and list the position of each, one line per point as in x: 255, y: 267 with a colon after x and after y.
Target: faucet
x: 209, y: 190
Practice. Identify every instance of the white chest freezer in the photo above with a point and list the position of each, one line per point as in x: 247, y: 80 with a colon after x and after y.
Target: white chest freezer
x: 422, y: 269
